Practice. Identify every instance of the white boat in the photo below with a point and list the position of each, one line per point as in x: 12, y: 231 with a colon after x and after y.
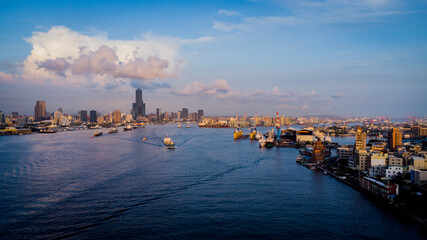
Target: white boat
x: 127, y: 128
x: 300, y: 158
x: 113, y: 130
x: 168, y: 142
x: 258, y: 135
x: 262, y: 142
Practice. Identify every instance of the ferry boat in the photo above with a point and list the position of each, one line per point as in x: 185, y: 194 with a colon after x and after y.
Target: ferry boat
x: 113, y: 130
x: 127, y: 128
x: 238, y: 133
x: 97, y: 134
x: 168, y: 142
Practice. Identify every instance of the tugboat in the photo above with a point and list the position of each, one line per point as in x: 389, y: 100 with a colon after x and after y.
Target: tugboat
x: 168, y: 142
x: 238, y: 133
x: 128, y: 128
x: 253, y: 133
x: 113, y: 130
x: 97, y: 134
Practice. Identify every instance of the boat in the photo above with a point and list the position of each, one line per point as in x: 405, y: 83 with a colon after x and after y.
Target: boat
x: 168, y: 142
x: 134, y: 126
x: 238, y: 133
x: 97, y: 134
x: 144, y: 138
x: 262, y: 142
x: 47, y: 131
x: 253, y: 133
x: 113, y: 130
x: 270, y: 140
x: 258, y: 135
x: 325, y: 172
x: 127, y: 128
x: 188, y: 126
x: 179, y: 125
x: 300, y: 158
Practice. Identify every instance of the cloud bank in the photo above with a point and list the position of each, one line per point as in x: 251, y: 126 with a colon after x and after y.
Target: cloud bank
x: 62, y: 56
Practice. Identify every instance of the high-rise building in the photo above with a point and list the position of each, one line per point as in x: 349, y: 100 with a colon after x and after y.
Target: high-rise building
x: 158, y: 113
x: 83, y: 115
x: 40, y: 111
x: 394, y: 139
x: 117, y: 116
x: 93, y: 118
x: 138, y: 107
x: 2, y: 118
x: 360, y: 140
x: 199, y: 114
x: 184, y: 113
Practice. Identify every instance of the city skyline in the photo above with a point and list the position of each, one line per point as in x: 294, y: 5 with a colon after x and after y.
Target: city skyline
x: 300, y: 58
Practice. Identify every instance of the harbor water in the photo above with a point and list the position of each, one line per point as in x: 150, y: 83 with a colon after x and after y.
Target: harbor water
x: 71, y: 185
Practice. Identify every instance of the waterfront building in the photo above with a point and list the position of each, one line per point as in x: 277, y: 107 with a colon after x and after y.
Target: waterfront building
x: 319, y: 151
x: 194, y: 116
x: 360, y: 139
x: 40, y: 111
x: 394, y: 139
x: 138, y: 107
x: 364, y: 160
x: 93, y: 117
x: 83, y: 115
x: 117, y: 116
x: 387, y: 191
x: 184, y: 113
x: 376, y: 171
x: 200, y: 114
x: 419, y: 176
x: 304, y: 136
x: 158, y: 113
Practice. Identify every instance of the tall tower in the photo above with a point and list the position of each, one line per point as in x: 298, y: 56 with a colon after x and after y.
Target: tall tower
x: 138, y: 107
x: 360, y: 140
x: 93, y: 116
x: 394, y: 139
x: 40, y: 111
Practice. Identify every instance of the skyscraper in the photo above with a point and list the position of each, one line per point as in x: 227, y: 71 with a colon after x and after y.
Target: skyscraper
x: 40, y: 111
x: 199, y: 114
x: 138, y: 107
x: 184, y: 113
x: 2, y: 118
x: 360, y: 140
x: 394, y: 139
x: 158, y: 112
x: 83, y: 115
x: 93, y: 117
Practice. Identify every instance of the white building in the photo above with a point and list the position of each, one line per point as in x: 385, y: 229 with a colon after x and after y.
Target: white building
x: 393, y: 171
x: 376, y: 171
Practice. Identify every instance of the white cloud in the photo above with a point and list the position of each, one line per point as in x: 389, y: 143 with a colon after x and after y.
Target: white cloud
x: 227, y: 12
x: 220, y: 87
x: 6, y: 77
x: 65, y: 57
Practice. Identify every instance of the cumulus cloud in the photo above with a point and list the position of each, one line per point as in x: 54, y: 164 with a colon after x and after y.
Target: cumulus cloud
x: 219, y: 86
x: 6, y: 77
x: 66, y: 57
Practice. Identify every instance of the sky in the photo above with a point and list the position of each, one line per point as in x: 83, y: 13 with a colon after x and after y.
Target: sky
x: 297, y: 57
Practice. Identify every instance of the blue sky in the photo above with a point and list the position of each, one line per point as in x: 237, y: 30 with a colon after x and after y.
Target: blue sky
x: 335, y: 57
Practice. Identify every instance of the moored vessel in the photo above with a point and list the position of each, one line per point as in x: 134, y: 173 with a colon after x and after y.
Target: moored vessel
x: 113, y: 130
x: 128, y: 128
x: 97, y: 134
x: 238, y: 133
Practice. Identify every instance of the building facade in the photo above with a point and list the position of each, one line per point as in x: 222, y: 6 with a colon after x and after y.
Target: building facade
x: 138, y: 107
x: 360, y: 139
x: 40, y: 111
